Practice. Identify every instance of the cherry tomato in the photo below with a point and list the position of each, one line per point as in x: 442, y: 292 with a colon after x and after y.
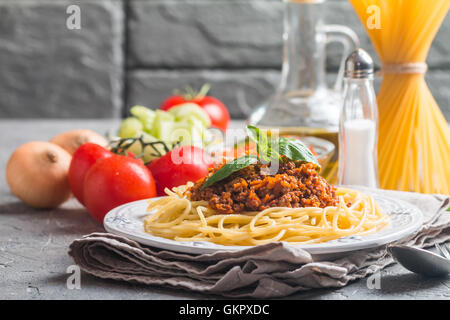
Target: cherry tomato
x: 116, y: 180
x: 83, y: 159
x: 173, y: 101
x: 178, y: 166
x: 218, y: 113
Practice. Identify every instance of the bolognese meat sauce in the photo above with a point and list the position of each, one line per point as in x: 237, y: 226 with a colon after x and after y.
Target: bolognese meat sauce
x: 294, y: 185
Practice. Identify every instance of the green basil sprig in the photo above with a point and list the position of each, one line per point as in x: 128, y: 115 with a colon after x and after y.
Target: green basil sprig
x: 228, y: 168
x: 263, y: 144
x: 268, y: 151
x: 296, y: 151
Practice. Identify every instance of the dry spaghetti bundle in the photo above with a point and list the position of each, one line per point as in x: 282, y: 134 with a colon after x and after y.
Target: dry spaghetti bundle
x: 414, y: 137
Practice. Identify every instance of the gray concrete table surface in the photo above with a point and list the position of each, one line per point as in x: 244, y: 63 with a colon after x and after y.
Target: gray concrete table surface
x: 34, y: 243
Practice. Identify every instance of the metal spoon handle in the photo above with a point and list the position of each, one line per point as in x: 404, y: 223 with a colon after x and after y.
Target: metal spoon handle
x: 443, y: 250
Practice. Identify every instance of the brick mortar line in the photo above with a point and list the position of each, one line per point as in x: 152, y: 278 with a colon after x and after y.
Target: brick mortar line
x: 125, y: 53
x: 231, y: 68
x: 194, y: 68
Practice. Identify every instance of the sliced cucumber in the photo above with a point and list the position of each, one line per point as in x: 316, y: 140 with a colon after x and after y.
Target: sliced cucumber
x: 145, y: 115
x: 130, y: 127
x: 162, y: 125
x: 186, y: 110
x: 186, y: 123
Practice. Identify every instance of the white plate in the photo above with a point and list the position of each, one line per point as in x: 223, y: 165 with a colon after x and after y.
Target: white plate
x: 127, y: 220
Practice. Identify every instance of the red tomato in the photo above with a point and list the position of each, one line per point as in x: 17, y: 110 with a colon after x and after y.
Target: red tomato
x: 116, y: 180
x: 218, y: 113
x: 180, y: 165
x: 83, y: 159
x: 172, y: 101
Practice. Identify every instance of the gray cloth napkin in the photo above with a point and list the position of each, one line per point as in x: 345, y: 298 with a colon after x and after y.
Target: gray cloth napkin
x: 265, y: 271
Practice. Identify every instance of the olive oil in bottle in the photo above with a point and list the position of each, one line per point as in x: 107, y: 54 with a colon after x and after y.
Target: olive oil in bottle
x: 304, y: 105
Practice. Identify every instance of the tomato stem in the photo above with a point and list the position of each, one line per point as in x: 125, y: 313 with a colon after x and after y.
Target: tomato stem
x: 121, y: 146
x: 190, y: 94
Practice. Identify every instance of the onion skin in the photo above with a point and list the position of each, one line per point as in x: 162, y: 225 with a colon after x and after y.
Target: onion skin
x: 71, y: 140
x: 37, y: 174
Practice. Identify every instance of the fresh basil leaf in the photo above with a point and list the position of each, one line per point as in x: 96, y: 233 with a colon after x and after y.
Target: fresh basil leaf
x: 296, y: 151
x: 261, y: 140
x: 255, y: 134
x: 263, y: 144
x: 258, y: 136
x: 229, y: 168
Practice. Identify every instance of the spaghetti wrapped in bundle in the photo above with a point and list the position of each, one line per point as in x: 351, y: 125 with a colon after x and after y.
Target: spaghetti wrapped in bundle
x: 414, y: 137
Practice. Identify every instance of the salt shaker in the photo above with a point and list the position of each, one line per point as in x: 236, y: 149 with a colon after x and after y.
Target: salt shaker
x: 358, y: 127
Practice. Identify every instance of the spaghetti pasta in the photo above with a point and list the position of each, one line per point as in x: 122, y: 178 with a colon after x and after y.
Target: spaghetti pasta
x: 414, y: 137
x: 178, y: 218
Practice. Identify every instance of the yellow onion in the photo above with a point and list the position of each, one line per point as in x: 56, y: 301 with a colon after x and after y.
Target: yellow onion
x: 71, y: 140
x: 37, y: 174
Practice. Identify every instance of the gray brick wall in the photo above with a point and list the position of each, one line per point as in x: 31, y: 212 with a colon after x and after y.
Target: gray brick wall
x: 48, y: 70
x: 137, y: 51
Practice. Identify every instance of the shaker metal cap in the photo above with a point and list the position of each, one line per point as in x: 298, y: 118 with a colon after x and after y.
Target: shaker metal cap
x: 359, y: 65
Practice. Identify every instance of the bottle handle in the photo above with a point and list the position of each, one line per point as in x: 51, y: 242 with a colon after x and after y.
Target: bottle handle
x: 349, y: 40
